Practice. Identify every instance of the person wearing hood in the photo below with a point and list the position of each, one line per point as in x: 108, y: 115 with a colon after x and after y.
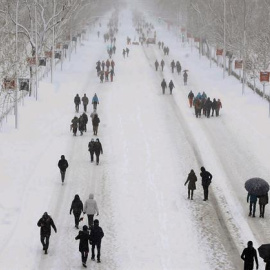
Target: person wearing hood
x: 90, y: 208
x: 84, y: 238
x: 98, y: 149
x: 63, y: 165
x: 171, y: 86
x: 85, y: 102
x: 77, y: 101
x: 191, y: 180
x: 77, y: 208
x: 45, y: 223
x: 95, y: 123
x: 156, y: 64
x: 95, y: 237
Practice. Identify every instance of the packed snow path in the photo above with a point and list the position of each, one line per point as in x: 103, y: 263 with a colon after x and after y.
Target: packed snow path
x: 150, y: 142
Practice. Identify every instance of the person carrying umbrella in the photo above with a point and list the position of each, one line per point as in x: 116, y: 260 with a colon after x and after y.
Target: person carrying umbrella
x: 264, y: 252
x: 248, y: 256
x: 252, y: 204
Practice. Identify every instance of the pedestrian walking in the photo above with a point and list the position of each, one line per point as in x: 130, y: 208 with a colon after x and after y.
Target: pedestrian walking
x: 90, y: 208
x: 98, y: 150
x: 95, y: 123
x: 74, y: 125
x: 171, y: 86
x: 159, y: 44
x: 85, y: 120
x: 95, y: 101
x: 112, y: 65
x: 191, y: 180
x: 156, y: 65
x: 96, y: 236
x: 84, y: 238
x: 81, y: 124
x: 252, y: 199
x: 63, y: 165
x: 163, y: 86
x: 172, y: 66
x: 101, y: 76
x: 178, y: 67
x: 214, y: 107
x: 77, y: 101
x: 219, y: 106
x: 85, y: 102
x: 185, y: 76
x: 206, y: 181
x: 91, y: 145
x: 77, y: 209
x: 248, y: 255
x: 112, y: 74
x: 190, y: 98
x: 127, y: 51
x: 263, y: 201
x: 162, y: 63
x: 45, y: 223
x: 124, y: 53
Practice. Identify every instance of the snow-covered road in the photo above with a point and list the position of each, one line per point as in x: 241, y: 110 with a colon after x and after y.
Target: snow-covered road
x: 150, y: 143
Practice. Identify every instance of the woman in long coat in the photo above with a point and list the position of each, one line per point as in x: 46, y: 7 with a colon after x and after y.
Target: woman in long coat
x: 191, y: 180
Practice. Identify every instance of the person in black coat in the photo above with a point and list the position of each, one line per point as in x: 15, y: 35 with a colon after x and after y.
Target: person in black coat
x: 77, y: 101
x: 163, y: 86
x: 171, y: 86
x: 45, y: 223
x: 185, y: 76
x: 214, y: 107
x: 191, y: 180
x: 85, y: 119
x: 156, y: 64
x: 91, y: 146
x: 263, y: 200
x: 162, y: 63
x: 206, y: 181
x: 95, y: 123
x: 95, y: 237
x: 98, y: 149
x: 63, y: 165
x: 208, y: 106
x: 248, y: 255
x: 84, y: 238
x: 77, y: 208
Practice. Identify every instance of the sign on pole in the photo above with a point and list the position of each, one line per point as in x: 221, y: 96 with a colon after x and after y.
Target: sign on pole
x: 219, y: 52
x: 264, y: 76
x: 238, y: 64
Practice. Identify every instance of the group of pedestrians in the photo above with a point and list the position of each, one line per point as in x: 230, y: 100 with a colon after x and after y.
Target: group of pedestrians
x: 176, y: 65
x: 204, y: 105
x: 125, y: 52
x: 105, y: 69
x: 192, y: 179
x: 164, y: 86
x: 252, y: 199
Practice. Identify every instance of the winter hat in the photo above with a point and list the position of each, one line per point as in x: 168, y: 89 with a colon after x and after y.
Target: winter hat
x: 85, y: 228
x: 62, y: 157
x: 45, y: 214
x: 202, y: 169
x: 96, y: 221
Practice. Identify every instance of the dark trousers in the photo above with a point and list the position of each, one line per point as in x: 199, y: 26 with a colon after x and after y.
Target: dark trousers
x: 97, y: 157
x: 85, y: 107
x: 76, y: 218
x: 84, y: 256
x: 44, y: 239
x: 63, y: 173
x: 190, y: 194
x: 95, y: 130
x: 94, y: 105
x: 205, y: 192
x: 252, y: 208
x: 163, y: 91
x: 98, y: 245
x: 248, y: 265
x: 262, y: 207
x: 90, y: 220
x: 77, y: 107
x: 92, y: 155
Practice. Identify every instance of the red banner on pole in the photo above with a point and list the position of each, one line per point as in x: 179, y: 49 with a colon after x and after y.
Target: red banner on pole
x: 238, y: 64
x: 219, y: 52
x: 264, y: 76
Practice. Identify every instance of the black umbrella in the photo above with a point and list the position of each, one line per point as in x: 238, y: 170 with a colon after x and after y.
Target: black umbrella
x: 264, y: 251
x: 257, y: 186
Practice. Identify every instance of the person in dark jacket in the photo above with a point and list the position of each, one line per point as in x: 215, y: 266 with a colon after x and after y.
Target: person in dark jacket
x: 77, y: 209
x: 91, y: 149
x: 81, y: 124
x: 63, y: 165
x: 178, y: 67
x: 95, y: 123
x: 263, y: 201
x: 173, y: 66
x: 95, y: 237
x: 77, y: 101
x: 185, y: 76
x: 190, y: 98
x: 85, y: 102
x: 45, y: 223
x: 208, y: 106
x: 74, y: 125
x: 267, y: 263
x: 171, y: 86
x: 85, y: 119
x: 98, y: 149
x: 252, y: 204
x: 127, y: 51
x: 191, y: 180
x: 156, y: 64
x: 162, y: 63
x: 163, y: 86
x: 84, y: 238
x: 206, y: 181
x: 214, y: 107
x: 248, y: 255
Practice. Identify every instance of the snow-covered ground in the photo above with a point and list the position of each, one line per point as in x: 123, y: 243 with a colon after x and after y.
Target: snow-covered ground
x: 150, y: 143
